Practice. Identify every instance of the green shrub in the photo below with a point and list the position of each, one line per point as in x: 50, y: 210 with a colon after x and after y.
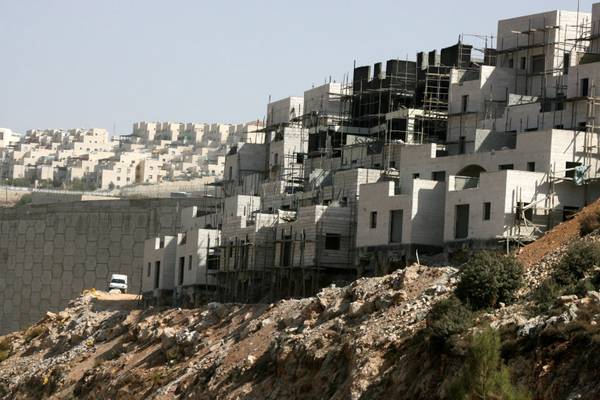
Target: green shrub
x: 545, y: 295
x: 24, y: 200
x: 589, y: 223
x: 581, y: 288
x: 484, y: 375
x: 489, y: 278
x: 446, y: 318
x: 580, y: 258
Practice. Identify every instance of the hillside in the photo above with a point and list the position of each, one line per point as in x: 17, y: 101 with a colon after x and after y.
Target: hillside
x: 363, y: 341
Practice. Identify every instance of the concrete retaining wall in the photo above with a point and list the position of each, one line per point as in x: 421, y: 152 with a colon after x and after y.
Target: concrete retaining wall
x: 50, y: 253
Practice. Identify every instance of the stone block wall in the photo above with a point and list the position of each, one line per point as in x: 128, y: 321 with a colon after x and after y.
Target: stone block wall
x: 50, y: 253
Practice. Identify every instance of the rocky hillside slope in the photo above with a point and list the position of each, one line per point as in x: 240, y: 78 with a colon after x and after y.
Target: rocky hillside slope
x: 363, y: 341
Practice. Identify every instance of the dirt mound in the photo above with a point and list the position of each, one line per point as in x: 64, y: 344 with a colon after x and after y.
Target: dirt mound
x: 559, y: 236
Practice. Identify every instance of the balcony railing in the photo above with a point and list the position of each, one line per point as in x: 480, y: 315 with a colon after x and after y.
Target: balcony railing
x: 465, y: 182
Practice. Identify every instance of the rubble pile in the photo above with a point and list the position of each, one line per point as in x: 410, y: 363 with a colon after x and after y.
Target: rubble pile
x: 220, y: 350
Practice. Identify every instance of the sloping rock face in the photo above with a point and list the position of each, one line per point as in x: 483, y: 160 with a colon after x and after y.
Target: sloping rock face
x: 334, y: 345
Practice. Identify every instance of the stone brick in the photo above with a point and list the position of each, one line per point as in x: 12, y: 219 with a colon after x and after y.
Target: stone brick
x: 48, y: 249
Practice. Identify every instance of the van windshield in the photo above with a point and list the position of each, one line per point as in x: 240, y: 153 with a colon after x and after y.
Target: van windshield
x: 121, y: 281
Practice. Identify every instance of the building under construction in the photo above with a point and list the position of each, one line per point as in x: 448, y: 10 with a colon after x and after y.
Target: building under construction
x: 470, y: 147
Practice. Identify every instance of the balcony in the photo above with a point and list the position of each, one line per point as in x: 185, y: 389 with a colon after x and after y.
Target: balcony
x: 464, y: 182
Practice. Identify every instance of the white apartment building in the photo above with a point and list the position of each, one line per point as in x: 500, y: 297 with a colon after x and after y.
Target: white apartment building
x: 158, y: 278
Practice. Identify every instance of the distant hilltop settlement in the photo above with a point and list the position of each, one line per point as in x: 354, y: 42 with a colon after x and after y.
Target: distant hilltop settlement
x: 467, y: 148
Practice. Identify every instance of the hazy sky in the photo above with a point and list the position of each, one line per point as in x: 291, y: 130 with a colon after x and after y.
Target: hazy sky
x: 105, y: 63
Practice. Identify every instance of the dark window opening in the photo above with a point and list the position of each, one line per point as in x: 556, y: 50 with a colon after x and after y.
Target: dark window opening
x: 416, y: 176
x: 531, y: 166
x: 439, y: 176
x: 538, y: 64
x: 585, y: 86
x: 149, y: 269
x: 570, y: 167
x: 487, y: 211
x: 157, y: 275
x: 523, y: 63
x: 504, y: 167
x: 181, y: 267
x: 189, y: 262
x: 287, y: 251
x: 373, y: 220
x: 464, y: 103
x: 332, y: 241
x: 569, y: 212
x: 566, y: 63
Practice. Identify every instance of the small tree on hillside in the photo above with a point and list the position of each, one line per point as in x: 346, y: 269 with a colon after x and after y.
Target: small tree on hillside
x: 447, y: 317
x: 484, y: 375
x: 579, y: 259
x: 489, y: 278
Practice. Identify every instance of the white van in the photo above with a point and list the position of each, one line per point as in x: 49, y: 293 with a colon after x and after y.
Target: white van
x: 118, y: 282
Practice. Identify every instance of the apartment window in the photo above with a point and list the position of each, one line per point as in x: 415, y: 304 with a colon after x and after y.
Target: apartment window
x: 570, y: 167
x: 157, y: 275
x: 538, y: 64
x: 149, y: 269
x: 332, y: 241
x: 523, y: 63
x: 275, y: 159
x: 462, y: 145
x: 439, y: 176
x: 392, y: 164
x: 511, y: 63
x: 190, y: 259
x: 118, y: 178
x: 566, y: 63
x: 585, y: 86
x: 464, y: 103
x: 487, y: 211
x: 504, y: 167
x: 416, y: 176
x: 373, y: 220
x: 181, y: 267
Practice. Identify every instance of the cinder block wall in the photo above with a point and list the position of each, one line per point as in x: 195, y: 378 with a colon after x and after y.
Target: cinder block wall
x: 50, y: 253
